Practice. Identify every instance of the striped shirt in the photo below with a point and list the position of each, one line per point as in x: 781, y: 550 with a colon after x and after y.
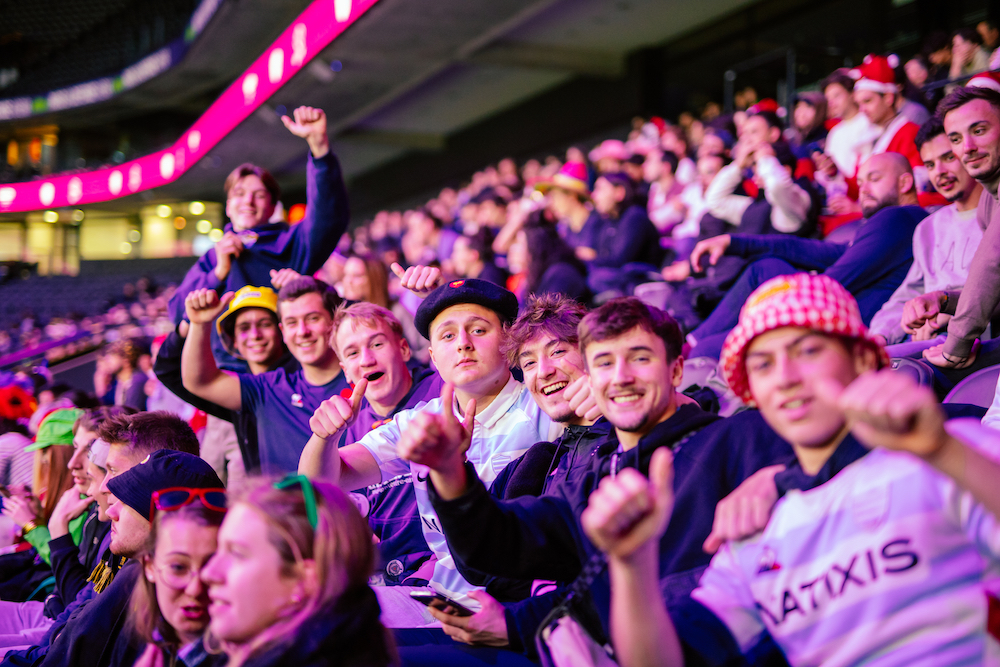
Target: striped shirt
x: 503, y: 431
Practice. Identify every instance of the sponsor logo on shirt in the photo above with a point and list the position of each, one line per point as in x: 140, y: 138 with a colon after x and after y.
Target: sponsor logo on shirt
x: 859, y: 571
x: 296, y: 400
x: 768, y: 561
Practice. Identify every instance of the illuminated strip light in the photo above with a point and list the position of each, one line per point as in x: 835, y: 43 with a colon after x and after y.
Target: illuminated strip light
x: 308, y: 35
x: 103, y: 89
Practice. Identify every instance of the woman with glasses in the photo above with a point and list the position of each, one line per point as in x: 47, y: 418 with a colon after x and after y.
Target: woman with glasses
x: 169, y: 608
x: 289, y: 582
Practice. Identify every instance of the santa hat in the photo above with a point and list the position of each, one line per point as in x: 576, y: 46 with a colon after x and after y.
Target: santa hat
x: 989, y: 80
x: 877, y: 74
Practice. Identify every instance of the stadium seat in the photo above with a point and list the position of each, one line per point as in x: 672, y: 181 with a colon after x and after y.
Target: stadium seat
x: 977, y: 389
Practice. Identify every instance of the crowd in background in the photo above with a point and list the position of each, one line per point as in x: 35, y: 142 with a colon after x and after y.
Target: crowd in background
x: 774, y: 250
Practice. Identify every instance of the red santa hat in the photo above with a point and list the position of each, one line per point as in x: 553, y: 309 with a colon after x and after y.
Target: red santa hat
x: 989, y: 80
x: 877, y: 74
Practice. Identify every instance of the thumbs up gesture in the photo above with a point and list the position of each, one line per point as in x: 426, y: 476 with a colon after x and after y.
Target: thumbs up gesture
x: 337, y: 413
x: 439, y: 441
x: 627, y: 511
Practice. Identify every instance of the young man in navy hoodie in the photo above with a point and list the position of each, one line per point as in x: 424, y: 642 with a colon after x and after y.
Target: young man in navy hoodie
x: 633, y: 357
x: 253, y: 248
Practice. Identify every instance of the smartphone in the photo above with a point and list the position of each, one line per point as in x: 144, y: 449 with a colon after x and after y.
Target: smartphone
x: 440, y: 602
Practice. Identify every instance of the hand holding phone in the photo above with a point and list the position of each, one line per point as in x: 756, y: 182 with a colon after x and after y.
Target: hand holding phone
x: 440, y: 602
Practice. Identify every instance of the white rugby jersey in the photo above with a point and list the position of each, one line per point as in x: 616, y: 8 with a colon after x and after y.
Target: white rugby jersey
x: 504, y: 430
x: 888, y: 563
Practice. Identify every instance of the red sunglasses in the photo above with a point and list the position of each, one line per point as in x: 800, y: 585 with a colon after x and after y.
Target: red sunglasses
x: 174, y: 498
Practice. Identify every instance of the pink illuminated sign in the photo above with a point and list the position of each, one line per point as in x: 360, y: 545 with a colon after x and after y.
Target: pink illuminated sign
x: 309, y: 34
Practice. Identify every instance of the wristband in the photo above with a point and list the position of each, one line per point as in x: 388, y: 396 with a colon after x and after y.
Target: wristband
x: 28, y: 527
x: 953, y: 359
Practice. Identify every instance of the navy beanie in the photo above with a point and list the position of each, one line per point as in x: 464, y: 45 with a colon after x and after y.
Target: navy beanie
x: 468, y: 290
x: 163, y: 469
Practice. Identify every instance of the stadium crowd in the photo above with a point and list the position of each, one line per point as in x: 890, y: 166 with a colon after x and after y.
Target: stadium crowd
x: 470, y: 433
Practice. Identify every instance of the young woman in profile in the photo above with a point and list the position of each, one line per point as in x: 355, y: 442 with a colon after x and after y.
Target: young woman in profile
x: 169, y: 610
x: 289, y: 582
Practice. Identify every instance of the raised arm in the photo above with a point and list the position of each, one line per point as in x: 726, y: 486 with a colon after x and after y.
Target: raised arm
x: 888, y: 409
x: 720, y: 197
x: 327, y: 210
x: 791, y: 203
x: 351, y: 467
x: 625, y: 518
x: 167, y: 369
x: 201, y: 375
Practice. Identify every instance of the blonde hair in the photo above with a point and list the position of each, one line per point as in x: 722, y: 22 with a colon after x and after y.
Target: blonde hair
x: 369, y: 313
x: 340, y: 546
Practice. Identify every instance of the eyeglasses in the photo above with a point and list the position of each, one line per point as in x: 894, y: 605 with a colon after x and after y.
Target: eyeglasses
x: 308, y: 495
x: 177, y: 575
x: 167, y: 500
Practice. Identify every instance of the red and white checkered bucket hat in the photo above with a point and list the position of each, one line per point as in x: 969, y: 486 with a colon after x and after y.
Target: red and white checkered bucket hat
x: 800, y: 300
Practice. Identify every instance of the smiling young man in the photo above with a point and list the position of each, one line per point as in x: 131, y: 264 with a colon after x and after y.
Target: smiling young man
x: 870, y: 557
x: 632, y: 355
x: 374, y: 354
x: 943, y: 244
x: 250, y: 331
x: 464, y: 322
x: 972, y: 122
x: 543, y: 342
x: 281, y: 401
x: 253, y: 246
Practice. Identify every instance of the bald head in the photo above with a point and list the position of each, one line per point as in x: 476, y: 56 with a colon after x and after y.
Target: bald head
x: 885, y: 179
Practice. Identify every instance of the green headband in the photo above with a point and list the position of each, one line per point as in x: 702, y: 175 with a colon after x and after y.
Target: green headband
x: 308, y: 495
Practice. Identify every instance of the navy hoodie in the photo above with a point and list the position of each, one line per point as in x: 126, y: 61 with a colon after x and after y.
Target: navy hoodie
x: 541, y: 538
x: 277, y: 245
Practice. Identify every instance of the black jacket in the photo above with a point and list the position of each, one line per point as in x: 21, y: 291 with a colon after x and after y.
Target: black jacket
x: 348, y: 634
x: 93, y: 636
x: 541, y: 538
x: 72, y: 564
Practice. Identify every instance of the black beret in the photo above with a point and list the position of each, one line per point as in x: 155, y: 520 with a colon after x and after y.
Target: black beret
x: 468, y: 290
x: 163, y: 469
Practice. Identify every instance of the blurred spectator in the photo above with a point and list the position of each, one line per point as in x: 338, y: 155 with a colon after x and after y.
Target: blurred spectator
x: 673, y: 140
x: 118, y: 378
x: 917, y: 76
x: 366, y: 279
x: 543, y: 263
x: 159, y: 397
x: 665, y: 208
x: 609, y: 155
x: 472, y: 257
x: 634, y: 168
x: 808, y: 131
x: 628, y: 246
x: 781, y: 204
x: 570, y: 202
x: 967, y: 53
x: 989, y: 33
x: 850, y: 141
x: 937, y: 49
x: 426, y: 240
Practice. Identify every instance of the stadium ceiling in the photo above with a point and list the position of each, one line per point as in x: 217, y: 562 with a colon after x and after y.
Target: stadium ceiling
x: 411, y: 73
